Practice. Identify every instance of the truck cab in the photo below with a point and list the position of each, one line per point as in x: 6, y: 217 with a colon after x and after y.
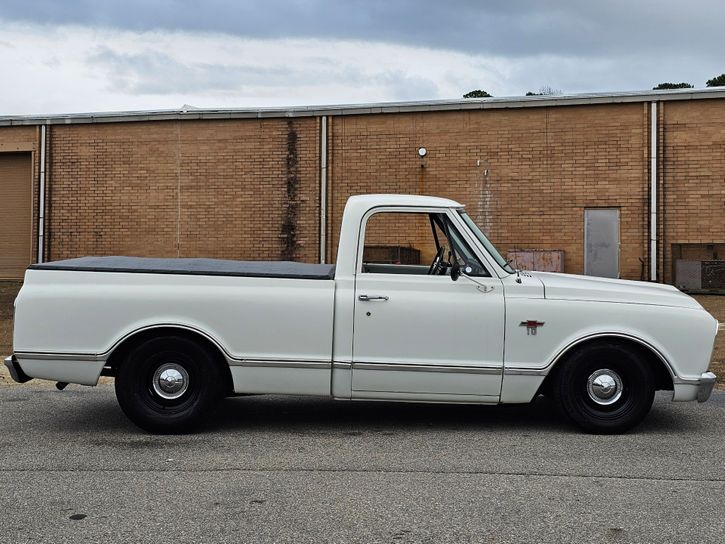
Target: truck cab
x: 430, y: 328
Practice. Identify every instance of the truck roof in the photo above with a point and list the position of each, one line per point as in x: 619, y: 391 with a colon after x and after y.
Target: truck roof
x: 369, y: 201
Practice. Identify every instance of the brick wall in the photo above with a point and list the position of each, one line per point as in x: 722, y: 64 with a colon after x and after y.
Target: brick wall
x: 220, y: 188
x: 693, y: 175
x: 525, y: 175
x: 187, y: 189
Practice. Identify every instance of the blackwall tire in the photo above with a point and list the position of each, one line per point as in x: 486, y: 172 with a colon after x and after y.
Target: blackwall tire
x: 604, y: 388
x: 166, y: 385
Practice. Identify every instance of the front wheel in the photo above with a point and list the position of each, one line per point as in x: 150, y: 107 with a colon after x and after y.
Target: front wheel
x: 604, y: 388
x: 167, y: 384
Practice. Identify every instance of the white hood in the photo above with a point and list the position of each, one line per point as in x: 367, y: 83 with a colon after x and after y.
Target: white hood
x: 574, y: 287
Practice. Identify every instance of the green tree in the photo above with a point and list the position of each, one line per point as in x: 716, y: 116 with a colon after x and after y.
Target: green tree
x: 544, y: 91
x: 718, y: 81
x: 478, y: 93
x: 663, y: 86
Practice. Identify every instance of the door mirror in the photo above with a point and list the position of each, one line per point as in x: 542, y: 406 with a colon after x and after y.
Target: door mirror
x: 455, y: 271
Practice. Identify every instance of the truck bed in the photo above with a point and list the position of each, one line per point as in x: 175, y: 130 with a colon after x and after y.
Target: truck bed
x: 196, y: 267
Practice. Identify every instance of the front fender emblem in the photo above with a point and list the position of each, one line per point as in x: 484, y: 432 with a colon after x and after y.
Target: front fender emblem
x: 531, y: 326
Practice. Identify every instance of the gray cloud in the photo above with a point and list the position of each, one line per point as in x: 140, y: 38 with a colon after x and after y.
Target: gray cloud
x: 151, y: 72
x: 154, y: 54
x: 508, y: 28
x: 155, y: 73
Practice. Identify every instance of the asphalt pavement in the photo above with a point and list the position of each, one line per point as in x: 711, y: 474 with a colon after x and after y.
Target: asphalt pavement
x: 295, y: 469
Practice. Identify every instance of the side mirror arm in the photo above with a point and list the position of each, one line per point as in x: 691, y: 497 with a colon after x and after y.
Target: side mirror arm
x: 455, y: 271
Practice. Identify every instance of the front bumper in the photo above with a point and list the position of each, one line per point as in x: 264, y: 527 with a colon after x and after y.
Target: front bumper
x: 699, y: 389
x: 16, y: 372
x: 705, y: 385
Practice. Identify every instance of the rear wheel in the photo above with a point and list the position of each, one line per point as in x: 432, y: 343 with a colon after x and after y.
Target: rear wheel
x: 166, y: 385
x: 604, y: 388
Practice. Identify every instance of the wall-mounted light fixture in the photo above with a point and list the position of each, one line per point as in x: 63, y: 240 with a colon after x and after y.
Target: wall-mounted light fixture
x: 422, y: 151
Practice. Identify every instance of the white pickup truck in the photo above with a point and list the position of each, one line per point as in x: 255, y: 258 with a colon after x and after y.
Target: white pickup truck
x: 462, y: 327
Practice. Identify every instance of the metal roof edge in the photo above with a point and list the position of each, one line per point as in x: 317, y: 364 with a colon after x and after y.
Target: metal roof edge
x: 365, y: 109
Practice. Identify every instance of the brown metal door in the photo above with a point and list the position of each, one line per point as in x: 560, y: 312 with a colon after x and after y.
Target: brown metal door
x: 16, y: 220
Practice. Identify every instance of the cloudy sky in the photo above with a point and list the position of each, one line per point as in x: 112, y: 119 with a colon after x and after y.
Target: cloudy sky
x: 94, y: 55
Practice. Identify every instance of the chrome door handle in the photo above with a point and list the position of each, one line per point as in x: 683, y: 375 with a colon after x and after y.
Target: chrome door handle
x: 368, y: 298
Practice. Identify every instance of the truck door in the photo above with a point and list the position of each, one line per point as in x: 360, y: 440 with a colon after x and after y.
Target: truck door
x: 419, y: 335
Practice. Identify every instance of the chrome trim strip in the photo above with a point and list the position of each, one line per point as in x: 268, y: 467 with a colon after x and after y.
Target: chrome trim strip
x: 613, y: 335
x: 106, y: 354
x: 264, y: 363
x: 50, y: 356
x: 340, y: 365
x: 231, y: 360
x: 288, y: 363
x: 427, y: 368
x: 523, y: 371
x: 518, y: 371
x: 243, y: 360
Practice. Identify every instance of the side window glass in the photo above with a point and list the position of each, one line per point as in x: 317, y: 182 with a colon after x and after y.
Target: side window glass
x: 398, y: 243
x: 416, y: 243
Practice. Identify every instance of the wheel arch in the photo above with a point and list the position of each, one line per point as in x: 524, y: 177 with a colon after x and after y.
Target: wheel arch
x: 663, y: 372
x: 120, y: 350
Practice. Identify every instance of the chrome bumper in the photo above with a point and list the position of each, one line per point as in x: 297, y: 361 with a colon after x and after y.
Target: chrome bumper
x: 705, y: 385
x: 16, y: 372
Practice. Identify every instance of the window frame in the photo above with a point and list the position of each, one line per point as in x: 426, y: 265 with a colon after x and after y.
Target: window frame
x: 450, y: 214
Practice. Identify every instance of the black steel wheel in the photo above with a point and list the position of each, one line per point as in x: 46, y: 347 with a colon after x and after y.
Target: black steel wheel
x: 604, y: 388
x: 167, y: 384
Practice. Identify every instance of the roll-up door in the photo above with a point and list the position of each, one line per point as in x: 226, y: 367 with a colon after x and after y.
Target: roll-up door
x: 16, y: 219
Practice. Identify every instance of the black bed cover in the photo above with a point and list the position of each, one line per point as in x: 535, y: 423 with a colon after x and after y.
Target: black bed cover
x: 199, y: 267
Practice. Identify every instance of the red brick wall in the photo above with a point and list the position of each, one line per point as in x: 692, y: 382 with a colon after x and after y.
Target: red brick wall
x: 219, y: 188
x: 525, y: 175
x: 693, y: 175
x: 188, y: 189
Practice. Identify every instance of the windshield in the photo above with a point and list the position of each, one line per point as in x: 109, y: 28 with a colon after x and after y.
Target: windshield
x: 484, y: 241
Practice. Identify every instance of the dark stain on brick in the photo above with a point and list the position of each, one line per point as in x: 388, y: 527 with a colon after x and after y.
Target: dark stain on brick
x: 289, y: 223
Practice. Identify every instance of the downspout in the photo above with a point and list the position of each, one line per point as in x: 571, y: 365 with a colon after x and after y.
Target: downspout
x: 41, y: 197
x: 323, y: 189
x: 653, y: 193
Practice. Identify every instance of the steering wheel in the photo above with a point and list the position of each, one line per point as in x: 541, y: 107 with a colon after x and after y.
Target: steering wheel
x: 435, y: 266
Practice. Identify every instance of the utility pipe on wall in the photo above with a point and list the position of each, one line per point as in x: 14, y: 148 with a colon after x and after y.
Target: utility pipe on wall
x: 653, y: 192
x: 41, y: 197
x: 323, y: 189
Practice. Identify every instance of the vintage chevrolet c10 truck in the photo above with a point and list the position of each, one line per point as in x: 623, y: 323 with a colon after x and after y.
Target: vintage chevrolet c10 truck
x: 463, y: 327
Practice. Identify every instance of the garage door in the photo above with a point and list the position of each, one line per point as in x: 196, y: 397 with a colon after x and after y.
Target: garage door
x: 16, y: 219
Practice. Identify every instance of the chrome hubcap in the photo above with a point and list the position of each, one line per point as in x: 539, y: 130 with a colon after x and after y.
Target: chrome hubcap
x: 170, y: 381
x: 604, y: 387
